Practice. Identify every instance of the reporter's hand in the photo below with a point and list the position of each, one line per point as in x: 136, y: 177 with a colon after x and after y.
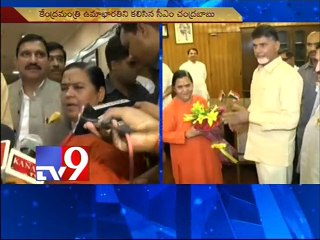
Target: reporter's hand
x: 145, y: 128
x: 142, y: 141
x: 148, y: 108
x: 136, y: 119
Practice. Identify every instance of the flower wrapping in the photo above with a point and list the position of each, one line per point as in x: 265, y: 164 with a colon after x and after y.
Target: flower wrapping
x: 208, y: 120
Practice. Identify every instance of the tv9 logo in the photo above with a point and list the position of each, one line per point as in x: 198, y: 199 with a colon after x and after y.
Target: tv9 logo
x: 62, y: 163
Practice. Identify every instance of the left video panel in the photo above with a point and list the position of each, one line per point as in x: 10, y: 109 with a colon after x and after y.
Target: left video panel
x: 79, y: 103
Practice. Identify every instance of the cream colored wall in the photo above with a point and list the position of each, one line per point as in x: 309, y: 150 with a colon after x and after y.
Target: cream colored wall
x: 102, y: 59
x: 85, y: 36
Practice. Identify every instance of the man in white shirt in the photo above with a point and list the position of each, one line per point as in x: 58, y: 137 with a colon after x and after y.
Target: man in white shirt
x: 33, y: 98
x: 273, y: 114
x: 309, y: 76
x: 166, y: 84
x: 310, y: 148
x: 198, y: 73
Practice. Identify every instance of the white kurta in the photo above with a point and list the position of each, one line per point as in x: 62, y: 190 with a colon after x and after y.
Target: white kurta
x: 198, y: 73
x: 276, y: 91
x: 166, y: 82
x: 310, y: 150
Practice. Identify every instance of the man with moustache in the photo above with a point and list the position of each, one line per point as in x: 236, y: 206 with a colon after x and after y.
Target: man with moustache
x: 273, y: 114
x: 33, y: 98
x: 309, y: 75
x: 57, y: 61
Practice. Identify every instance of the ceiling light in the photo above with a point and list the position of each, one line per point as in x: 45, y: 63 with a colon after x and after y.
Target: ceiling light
x: 15, y: 72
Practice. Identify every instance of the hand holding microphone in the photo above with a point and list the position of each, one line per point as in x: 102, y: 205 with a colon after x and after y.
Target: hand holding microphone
x: 144, y: 129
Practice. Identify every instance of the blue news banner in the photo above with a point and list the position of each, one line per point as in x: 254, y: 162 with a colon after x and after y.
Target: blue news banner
x: 160, y: 211
x: 151, y: 211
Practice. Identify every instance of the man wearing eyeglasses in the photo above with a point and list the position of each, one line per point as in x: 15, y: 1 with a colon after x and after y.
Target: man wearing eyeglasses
x: 33, y: 98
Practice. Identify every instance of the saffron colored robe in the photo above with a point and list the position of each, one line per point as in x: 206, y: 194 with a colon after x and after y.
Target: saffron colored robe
x: 107, y: 164
x: 193, y: 159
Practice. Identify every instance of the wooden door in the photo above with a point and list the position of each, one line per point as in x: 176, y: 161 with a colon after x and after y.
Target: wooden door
x: 225, y: 63
x: 299, y: 39
x: 249, y: 62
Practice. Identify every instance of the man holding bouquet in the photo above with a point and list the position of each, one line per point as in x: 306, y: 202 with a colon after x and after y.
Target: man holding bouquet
x: 274, y: 111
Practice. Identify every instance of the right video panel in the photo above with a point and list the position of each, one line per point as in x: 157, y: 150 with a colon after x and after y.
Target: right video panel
x: 240, y: 103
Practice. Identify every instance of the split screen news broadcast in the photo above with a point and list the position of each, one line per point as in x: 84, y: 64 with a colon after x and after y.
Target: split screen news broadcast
x: 161, y: 119
x: 81, y: 102
x: 87, y: 103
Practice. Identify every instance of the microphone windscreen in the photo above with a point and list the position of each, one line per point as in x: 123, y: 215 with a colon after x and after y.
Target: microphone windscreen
x: 29, y: 143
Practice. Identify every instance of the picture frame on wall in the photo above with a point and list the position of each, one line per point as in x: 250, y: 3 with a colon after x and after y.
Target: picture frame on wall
x: 165, y: 32
x: 183, y: 33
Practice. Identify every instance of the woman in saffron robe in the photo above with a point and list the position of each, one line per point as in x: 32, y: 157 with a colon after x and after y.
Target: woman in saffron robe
x: 193, y: 159
x: 83, y: 84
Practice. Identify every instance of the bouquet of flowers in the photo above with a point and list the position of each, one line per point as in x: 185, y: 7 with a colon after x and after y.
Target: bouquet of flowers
x: 209, y: 120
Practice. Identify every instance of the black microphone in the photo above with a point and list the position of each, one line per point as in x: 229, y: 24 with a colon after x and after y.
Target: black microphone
x: 91, y: 114
x: 7, y: 134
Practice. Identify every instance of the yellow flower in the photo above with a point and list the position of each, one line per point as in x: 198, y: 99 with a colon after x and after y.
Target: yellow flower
x: 56, y: 116
x: 212, y: 117
x: 197, y: 108
x: 200, y: 118
x: 188, y: 117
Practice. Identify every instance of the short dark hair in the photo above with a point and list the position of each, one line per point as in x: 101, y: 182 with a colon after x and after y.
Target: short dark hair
x: 194, y: 49
x: 180, y: 74
x: 114, y: 51
x: 133, y: 27
x: 94, y: 73
x: 287, y: 52
x: 57, y: 46
x: 265, y: 31
x: 31, y: 38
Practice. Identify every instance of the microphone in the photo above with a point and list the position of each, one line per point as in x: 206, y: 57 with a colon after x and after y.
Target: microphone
x: 22, y: 164
x: 92, y: 114
x: 29, y: 143
x: 7, y: 134
x: 7, y: 142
